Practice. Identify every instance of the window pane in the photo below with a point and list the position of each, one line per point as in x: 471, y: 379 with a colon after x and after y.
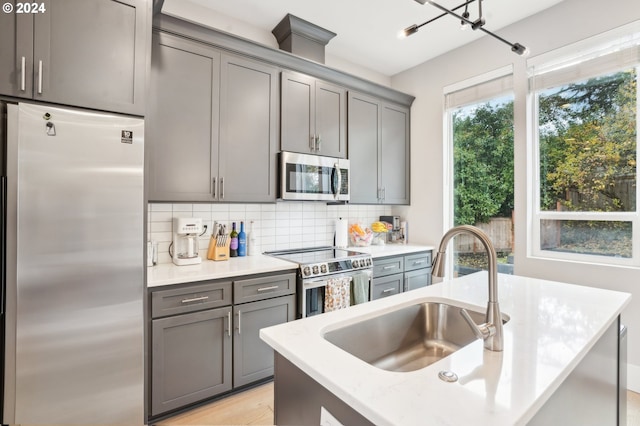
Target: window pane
x: 483, y: 181
x: 603, y: 238
x: 588, y: 145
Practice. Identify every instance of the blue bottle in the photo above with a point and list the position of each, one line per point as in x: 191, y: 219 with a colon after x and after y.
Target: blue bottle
x: 242, y: 241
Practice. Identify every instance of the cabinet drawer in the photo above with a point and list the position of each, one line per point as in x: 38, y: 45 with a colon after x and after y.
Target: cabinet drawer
x: 253, y: 289
x: 387, y: 286
x: 190, y: 299
x: 388, y: 266
x: 417, y: 261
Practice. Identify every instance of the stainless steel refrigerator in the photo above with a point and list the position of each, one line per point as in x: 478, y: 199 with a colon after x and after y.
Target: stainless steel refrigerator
x: 74, y: 269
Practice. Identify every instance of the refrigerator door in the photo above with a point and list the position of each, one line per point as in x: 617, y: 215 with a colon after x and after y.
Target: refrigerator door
x: 79, y: 319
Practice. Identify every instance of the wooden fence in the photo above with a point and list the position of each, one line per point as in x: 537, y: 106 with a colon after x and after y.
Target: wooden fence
x: 499, y: 230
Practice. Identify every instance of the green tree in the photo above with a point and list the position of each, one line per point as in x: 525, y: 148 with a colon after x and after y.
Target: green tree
x: 588, y: 143
x: 483, y: 162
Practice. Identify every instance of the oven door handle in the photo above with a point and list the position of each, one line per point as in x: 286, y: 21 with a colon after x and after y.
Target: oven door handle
x: 322, y: 282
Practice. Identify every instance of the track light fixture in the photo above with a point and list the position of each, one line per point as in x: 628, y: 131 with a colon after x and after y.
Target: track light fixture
x: 478, y: 24
x: 412, y: 29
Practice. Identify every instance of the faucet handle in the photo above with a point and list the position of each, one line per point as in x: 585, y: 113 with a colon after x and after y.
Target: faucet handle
x: 481, y: 331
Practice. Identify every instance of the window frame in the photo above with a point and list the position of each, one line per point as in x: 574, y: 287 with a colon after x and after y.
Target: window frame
x: 535, y: 214
x: 482, y: 88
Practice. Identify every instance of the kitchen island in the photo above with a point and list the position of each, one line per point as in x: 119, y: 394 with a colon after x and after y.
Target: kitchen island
x: 560, y: 354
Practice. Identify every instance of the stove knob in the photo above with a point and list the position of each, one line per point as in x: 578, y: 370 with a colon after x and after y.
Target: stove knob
x: 306, y: 271
x: 323, y: 268
x: 316, y: 270
x: 355, y: 263
x: 369, y: 261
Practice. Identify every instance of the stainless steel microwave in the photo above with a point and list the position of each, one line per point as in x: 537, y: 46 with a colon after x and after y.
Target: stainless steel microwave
x: 313, y: 177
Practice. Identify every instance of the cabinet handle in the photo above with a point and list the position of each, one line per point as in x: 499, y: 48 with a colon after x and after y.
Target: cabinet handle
x: 312, y: 142
x: 222, y: 188
x: 213, y: 187
x: 318, y: 140
x: 23, y: 74
x: 273, y: 287
x: 418, y: 262
x: 386, y: 268
x: 40, y: 77
x: 384, y: 193
x: 388, y: 290
x: 195, y: 299
x: 239, y: 322
x: 229, y: 322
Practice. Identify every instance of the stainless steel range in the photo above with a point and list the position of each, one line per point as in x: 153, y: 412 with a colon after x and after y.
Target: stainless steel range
x: 321, y: 267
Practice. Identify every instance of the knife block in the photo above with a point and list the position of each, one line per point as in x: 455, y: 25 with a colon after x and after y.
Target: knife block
x: 218, y: 250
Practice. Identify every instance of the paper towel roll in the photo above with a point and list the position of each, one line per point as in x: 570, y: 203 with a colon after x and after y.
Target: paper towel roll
x: 342, y: 233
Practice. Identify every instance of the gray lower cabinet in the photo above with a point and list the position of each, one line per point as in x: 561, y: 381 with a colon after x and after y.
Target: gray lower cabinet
x: 212, y: 124
x: 386, y: 286
x: 191, y: 358
x: 417, y: 270
x: 91, y: 54
x: 378, y: 134
x: 313, y: 116
x: 395, y: 274
x: 253, y: 358
x: 205, y: 336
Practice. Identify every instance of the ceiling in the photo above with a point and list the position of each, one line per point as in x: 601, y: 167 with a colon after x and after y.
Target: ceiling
x: 367, y: 30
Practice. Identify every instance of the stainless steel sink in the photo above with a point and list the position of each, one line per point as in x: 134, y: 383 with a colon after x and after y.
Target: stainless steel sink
x: 409, y: 338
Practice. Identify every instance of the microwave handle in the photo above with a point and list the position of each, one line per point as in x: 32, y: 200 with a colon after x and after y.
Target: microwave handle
x: 336, y: 180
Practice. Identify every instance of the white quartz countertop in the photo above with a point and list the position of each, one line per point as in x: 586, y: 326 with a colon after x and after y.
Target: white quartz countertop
x: 552, y: 326
x: 168, y: 273
x: 392, y: 249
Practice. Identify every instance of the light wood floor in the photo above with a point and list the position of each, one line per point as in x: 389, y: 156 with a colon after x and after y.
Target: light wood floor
x: 255, y: 407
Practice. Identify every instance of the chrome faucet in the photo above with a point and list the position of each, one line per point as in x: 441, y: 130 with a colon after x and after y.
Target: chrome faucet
x: 491, y: 330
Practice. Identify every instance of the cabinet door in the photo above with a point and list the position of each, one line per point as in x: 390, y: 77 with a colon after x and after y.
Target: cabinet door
x: 248, y: 131
x: 297, y: 113
x: 253, y: 358
x: 182, y: 120
x: 363, y: 131
x: 387, y: 286
x: 190, y: 358
x: 417, y: 278
x: 394, y: 170
x: 92, y: 53
x: 331, y: 120
x: 16, y: 51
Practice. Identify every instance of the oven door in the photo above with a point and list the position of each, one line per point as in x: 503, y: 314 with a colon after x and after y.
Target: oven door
x: 312, y: 177
x: 311, y: 297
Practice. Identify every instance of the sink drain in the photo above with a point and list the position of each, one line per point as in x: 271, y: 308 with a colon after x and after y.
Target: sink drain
x: 448, y: 376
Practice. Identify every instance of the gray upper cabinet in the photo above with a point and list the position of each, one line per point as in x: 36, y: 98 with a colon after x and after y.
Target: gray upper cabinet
x: 378, y: 134
x: 83, y: 53
x: 364, y: 156
x: 212, y: 124
x: 248, y: 130
x: 394, y: 155
x: 314, y: 116
x: 182, y: 119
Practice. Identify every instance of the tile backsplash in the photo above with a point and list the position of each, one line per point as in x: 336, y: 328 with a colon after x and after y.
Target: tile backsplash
x: 283, y: 225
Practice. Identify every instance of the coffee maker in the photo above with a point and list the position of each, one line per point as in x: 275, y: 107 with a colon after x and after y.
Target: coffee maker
x: 185, y: 240
x: 395, y: 235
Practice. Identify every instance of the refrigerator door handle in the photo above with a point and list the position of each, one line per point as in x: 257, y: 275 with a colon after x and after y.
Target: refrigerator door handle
x: 3, y: 234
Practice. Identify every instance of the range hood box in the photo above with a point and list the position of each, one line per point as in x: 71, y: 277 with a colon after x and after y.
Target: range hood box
x: 302, y: 38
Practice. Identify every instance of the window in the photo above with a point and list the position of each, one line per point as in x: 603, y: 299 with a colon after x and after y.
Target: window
x: 480, y: 124
x: 585, y: 116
